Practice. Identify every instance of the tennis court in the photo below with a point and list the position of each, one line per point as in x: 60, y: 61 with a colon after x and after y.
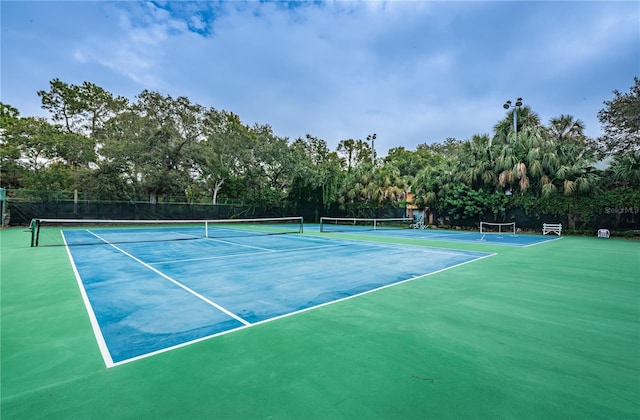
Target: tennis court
x: 161, y: 294
x: 347, y: 326
x: 403, y: 229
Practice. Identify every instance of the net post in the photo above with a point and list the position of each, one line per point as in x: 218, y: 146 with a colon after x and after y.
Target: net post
x: 206, y: 228
x: 34, y: 226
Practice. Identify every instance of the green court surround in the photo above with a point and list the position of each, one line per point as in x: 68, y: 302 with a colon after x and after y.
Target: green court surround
x: 550, y: 331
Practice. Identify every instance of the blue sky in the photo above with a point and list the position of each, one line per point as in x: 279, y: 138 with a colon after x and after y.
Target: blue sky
x: 410, y: 71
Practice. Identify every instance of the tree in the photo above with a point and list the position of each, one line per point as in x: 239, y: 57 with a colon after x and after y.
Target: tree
x: 224, y: 150
x: 77, y: 152
x: 30, y: 148
x: 11, y: 171
x: 626, y: 169
x: 124, y: 156
x: 429, y: 186
x: 504, y: 129
x: 620, y: 121
x: 476, y: 166
x: 391, y: 187
x: 271, y: 166
x: 433, y: 181
x: 565, y: 128
x: 81, y: 109
x: 447, y: 149
x: 154, y: 144
x: 364, y: 189
x: 354, y: 153
x: 517, y: 157
x: 35, y: 139
x: 170, y: 132
x: 408, y: 162
x: 8, y: 114
x: 316, y: 176
x: 464, y: 203
x: 570, y: 163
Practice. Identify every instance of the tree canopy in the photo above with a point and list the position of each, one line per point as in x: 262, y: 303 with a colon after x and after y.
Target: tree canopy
x: 620, y: 121
x: 158, y: 147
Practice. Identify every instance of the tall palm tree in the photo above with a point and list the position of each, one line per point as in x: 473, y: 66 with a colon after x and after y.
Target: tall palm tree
x: 567, y: 129
x: 504, y: 129
x: 476, y: 165
x: 569, y: 165
x: 518, y: 162
x: 516, y: 154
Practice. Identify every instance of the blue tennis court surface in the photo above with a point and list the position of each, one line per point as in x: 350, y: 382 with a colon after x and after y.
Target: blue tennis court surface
x: 506, y: 239
x: 147, y: 297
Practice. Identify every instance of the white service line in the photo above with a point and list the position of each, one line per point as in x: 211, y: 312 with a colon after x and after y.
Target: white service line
x: 242, y: 245
x: 246, y: 254
x: 177, y: 283
x: 185, y: 235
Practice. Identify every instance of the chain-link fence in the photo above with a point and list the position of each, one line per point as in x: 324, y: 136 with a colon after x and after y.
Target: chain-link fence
x: 26, y: 205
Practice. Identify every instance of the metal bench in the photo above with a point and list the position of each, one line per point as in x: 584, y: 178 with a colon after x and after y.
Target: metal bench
x: 552, y: 228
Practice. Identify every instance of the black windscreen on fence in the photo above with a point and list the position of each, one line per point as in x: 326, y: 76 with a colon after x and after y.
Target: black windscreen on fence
x: 21, y: 213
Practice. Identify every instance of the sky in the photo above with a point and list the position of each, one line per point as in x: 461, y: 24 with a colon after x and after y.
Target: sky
x: 412, y: 72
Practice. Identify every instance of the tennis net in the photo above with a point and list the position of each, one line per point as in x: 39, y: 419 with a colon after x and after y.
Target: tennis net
x: 346, y: 224
x: 499, y: 229
x: 47, y: 232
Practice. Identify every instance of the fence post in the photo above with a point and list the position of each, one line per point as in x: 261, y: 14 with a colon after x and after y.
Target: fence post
x: 3, y: 205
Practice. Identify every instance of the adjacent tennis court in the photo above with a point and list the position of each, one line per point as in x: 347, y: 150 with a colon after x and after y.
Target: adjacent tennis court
x: 497, y: 234
x: 344, y: 325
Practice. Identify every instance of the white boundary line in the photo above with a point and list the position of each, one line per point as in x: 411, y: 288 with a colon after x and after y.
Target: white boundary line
x: 97, y: 332
x: 543, y: 242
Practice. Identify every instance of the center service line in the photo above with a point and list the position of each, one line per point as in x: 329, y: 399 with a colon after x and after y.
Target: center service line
x: 177, y: 283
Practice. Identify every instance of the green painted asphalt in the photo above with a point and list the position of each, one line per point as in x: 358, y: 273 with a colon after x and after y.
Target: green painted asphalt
x: 550, y: 331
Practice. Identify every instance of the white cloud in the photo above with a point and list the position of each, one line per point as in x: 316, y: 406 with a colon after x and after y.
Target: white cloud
x: 196, y: 22
x: 411, y: 71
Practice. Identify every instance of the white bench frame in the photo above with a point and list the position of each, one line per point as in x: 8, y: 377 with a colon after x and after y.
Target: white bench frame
x: 552, y: 228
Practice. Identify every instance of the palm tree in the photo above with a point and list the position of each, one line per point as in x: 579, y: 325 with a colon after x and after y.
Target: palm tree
x: 504, y: 129
x: 476, y: 165
x: 626, y: 169
x: 432, y: 183
x: 569, y: 159
x: 518, y: 162
x: 516, y: 156
x: 567, y: 129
